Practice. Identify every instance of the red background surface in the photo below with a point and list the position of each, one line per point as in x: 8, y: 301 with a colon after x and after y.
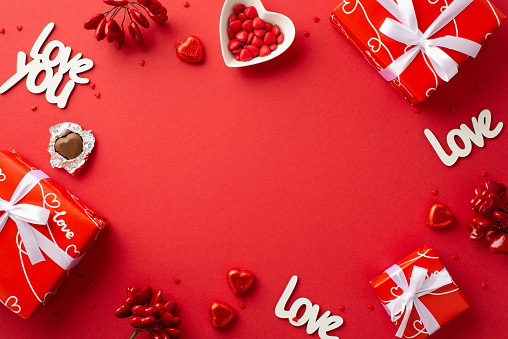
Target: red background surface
x: 310, y: 164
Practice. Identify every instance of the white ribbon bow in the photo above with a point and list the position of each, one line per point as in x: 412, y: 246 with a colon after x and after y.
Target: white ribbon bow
x: 419, y: 286
x: 23, y: 214
x: 407, y: 32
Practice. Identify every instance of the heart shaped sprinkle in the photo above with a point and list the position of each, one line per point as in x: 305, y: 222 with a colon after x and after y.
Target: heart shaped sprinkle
x: 69, y: 146
x: 484, y: 284
x: 97, y: 95
x: 186, y: 4
x: 19, y: 28
x: 33, y: 108
x: 484, y: 174
x: 455, y: 256
x: 221, y: 314
x: 141, y: 63
x: 316, y: 19
x: 341, y: 308
x: 370, y: 307
x: 240, y: 280
x: 190, y: 50
x: 306, y: 34
x: 2, y: 30
x: 92, y: 85
x: 242, y: 305
x: 433, y: 192
x: 439, y: 217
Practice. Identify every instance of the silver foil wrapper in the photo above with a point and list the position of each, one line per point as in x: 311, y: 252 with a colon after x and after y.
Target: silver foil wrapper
x: 72, y: 166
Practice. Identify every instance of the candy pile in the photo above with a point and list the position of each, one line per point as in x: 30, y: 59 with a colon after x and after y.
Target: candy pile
x: 112, y: 31
x: 250, y: 36
x: 491, y: 221
x: 149, y: 313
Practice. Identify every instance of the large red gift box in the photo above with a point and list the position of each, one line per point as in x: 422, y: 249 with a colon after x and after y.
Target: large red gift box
x: 443, y: 303
x: 61, y: 239
x: 360, y: 22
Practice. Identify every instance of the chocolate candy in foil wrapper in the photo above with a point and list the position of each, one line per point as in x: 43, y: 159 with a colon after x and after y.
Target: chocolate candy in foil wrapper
x: 70, y: 146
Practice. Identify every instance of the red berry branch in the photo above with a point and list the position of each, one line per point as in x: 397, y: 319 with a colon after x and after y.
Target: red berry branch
x: 149, y: 313
x: 112, y: 31
x: 491, y: 220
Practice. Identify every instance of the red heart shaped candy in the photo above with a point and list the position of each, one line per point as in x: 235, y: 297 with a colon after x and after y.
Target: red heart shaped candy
x: 439, y: 217
x: 190, y: 50
x: 240, y: 280
x: 221, y: 314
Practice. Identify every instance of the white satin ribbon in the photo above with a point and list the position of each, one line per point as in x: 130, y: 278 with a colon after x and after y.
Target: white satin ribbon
x: 23, y: 214
x: 407, y: 32
x: 419, y: 286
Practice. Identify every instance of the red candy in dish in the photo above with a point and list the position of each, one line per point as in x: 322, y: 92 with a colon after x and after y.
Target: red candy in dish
x: 251, y: 35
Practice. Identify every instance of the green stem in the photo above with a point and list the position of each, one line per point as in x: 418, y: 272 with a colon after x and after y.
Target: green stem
x: 134, y: 334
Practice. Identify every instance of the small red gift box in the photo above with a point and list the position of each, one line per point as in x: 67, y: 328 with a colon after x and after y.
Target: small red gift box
x: 360, y: 21
x: 44, y: 233
x: 419, y: 294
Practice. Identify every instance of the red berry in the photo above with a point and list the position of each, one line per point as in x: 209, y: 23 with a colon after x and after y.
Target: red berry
x: 93, y: 21
x: 140, y: 18
x: 113, y: 31
x: 118, y: 3
x: 99, y: 31
x: 135, y: 33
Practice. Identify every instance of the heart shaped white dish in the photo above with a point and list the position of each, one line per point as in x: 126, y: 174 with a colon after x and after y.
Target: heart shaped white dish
x: 285, y: 24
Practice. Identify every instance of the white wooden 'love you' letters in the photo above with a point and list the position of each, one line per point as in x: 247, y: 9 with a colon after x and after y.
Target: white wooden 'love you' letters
x: 42, y: 62
x: 481, y: 128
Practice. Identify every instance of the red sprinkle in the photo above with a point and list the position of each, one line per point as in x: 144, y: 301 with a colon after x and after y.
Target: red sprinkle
x: 433, y: 192
x: 91, y: 284
x: 19, y: 27
x: 295, y: 319
x: 242, y: 306
x: 452, y: 108
x: 97, y: 95
x: 341, y: 308
x: 416, y: 109
x: 142, y: 62
x: 484, y: 284
x: 92, y: 306
x: 306, y: 33
x: 455, y: 256
x: 176, y: 280
x: 79, y: 278
x: 2, y: 30
x: 370, y: 307
x: 186, y: 4
x: 478, y: 86
x: 55, y: 315
x: 484, y: 174
x: 33, y: 108
x: 92, y: 85
x: 316, y: 19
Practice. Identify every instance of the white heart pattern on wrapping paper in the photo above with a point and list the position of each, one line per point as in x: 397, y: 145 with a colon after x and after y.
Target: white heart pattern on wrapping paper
x: 286, y: 26
x: 46, y: 296
x: 76, y: 252
x: 395, y: 294
x: 13, y: 305
x: 422, y: 330
x: 2, y: 175
x: 55, y: 200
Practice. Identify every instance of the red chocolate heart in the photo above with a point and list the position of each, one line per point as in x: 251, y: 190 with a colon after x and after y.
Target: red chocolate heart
x: 221, y: 314
x: 240, y: 280
x: 190, y: 50
x: 439, y: 217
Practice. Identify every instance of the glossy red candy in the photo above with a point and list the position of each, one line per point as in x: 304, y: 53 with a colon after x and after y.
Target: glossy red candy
x: 170, y: 306
x: 172, y: 333
x: 269, y: 38
x: 221, y: 314
x: 500, y: 244
x: 143, y: 323
x: 156, y: 297
x: 113, y: 31
x: 258, y: 23
x: 240, y: 280
x: 140, y: 294
x: 238, y: 9
x: 125, y: 310
x: 245, y: 55
x: 264, y: 50
x: 251, y: 12
x: 190, y: 50
x: 145, y: 311
x: 439, y: 217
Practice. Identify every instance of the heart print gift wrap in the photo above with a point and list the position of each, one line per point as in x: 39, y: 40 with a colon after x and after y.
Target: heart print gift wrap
x: 419, y: 294
x: 44, y: 232
x: 416, y: 44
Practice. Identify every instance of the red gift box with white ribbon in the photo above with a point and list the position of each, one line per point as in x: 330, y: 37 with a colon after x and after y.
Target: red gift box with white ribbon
x: 416, y: 44
x: 44, y: 231
x: 419, y: 294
